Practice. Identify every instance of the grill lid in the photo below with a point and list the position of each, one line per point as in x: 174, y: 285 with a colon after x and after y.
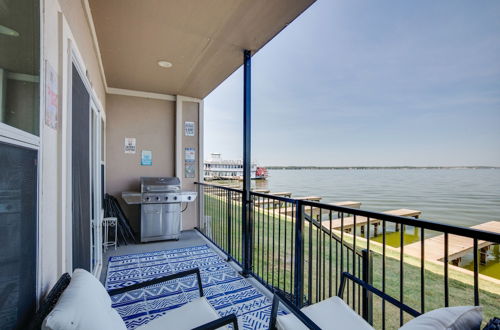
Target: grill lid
x: 157, y: 184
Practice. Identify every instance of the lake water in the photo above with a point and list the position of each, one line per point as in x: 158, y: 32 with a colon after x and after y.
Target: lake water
x: 456, y: 196
x: 464, y: 197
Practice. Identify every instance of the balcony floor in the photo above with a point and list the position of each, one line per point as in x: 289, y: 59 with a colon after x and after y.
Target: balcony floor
x: 226, y: 290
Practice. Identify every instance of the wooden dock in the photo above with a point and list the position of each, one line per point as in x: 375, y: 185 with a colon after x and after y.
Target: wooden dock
x: 315, y: 210
x: 281, y: 194
x: 363, y: 221
x: 458, y: 246
x: 351, y: 204
x: 309, y: 198
x: 270, y: 202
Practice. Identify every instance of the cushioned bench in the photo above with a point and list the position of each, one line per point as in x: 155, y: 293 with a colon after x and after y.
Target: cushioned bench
x: 334, y: 313
x: 81, y: 302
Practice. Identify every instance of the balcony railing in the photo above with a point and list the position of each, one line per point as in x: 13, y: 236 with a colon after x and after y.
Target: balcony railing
x: 300, y: 248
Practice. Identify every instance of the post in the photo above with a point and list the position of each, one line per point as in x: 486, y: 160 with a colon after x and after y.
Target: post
x: 245, y: 216
x: 367, y: 297
x: 298, y: 280
x: 229, y: 228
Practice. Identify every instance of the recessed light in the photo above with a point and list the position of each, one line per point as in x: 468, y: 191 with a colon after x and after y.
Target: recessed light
x: 8, y: 31
x: 165, y: 64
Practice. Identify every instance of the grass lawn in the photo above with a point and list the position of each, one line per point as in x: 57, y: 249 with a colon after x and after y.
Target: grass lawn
x: 273, y: 256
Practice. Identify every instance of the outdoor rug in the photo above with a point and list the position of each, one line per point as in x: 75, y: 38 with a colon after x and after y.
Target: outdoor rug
x: 226, y: 290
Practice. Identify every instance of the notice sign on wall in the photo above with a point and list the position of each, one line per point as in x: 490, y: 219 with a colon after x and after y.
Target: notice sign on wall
x: 51, y: 99
x: 129, y: 146
x: 189, y: 161
x: 147, y: 158
x: 189, y: 155
x: 189, y: 128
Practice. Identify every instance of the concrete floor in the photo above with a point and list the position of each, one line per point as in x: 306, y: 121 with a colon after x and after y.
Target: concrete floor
x: 188, y: 238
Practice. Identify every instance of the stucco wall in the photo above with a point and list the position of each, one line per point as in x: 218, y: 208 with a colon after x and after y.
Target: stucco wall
x: 62, y: 26
x: 152, y: 123
x: 190, y: 112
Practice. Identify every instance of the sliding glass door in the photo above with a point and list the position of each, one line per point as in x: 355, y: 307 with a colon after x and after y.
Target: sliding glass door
x: 86, y: 178
x: 19, y: 147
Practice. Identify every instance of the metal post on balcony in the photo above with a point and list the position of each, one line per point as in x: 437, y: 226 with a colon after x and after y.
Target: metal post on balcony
x: 245, y: 216
x: 367, y: 311
x: 298, y: 281
x: 229, y: 212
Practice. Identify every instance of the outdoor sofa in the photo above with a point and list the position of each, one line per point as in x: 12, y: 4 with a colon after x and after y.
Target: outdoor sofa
x: 81, y: 302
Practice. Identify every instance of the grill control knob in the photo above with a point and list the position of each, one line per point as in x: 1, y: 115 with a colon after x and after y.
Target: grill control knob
x: 157, y: 198
x: 175, y: 198
x: 166, y: 198
x: 189, y: 198
x: 147, y: 199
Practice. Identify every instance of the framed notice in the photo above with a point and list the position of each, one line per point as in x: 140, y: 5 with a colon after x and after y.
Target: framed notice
x: 189, y: 128
x: 129, y: 146
x: 51, y: 96
x: 147, y: 158
x: 189, y: 171
x: 189, y: 155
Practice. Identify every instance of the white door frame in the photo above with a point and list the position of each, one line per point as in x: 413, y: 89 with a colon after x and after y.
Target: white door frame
x: 74, y: 58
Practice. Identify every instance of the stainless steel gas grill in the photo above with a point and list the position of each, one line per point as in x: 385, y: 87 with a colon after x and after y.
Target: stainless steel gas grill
x: 160, y: 199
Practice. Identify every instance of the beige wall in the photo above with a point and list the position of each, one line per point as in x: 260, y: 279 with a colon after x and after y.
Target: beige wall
x: 64, y: 25
x: 75, y: 15
x: 152, y: 123
x: 190, y: 112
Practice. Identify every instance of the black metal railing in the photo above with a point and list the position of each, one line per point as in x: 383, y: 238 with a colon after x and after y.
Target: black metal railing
x: 300, y: 248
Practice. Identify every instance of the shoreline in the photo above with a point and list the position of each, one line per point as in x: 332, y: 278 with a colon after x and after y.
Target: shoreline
x: 382, y: 167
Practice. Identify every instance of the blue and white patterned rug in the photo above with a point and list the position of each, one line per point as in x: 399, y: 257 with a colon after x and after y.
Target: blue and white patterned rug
x: 226, y: 290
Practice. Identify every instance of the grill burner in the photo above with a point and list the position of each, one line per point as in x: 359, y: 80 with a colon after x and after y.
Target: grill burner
x: 160, y: 199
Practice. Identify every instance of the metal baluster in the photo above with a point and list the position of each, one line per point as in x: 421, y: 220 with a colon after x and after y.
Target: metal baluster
x: 337, y: 266
x: 310, y: 275
x: 341, y: 245
x: 263, y: 226
x: 354, y: 261
x: 279, y: 243
x: 476, y: 274
x: 422, y: 270
x: 383, y: 273
x: 324, y: 253
x: 229, y: 229
x: 268, y: 245
x: 299, y: 256
x: 330, y: 258
x: 284, y: 253
x: 318, y: 263
x: 274, y: 239
x: 401, y: 274
x: 292, y: 247
x: 446, y: 287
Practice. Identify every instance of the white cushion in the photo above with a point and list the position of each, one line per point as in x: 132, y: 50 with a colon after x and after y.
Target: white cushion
x: 332, y: 313
x: 191, y: 315
x: 452, y: 318
x: 84, y: 305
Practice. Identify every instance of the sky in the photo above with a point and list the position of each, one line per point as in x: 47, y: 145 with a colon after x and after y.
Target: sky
x: 370, y: 83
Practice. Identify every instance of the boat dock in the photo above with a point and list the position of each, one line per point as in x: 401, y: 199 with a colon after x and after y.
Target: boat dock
x: 458, y: 246
x: 315, y: 211
x: 351, y: 204
x: 348, y: 222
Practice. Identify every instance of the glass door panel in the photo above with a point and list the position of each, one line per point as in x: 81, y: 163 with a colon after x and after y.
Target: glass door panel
x: 18, y: 228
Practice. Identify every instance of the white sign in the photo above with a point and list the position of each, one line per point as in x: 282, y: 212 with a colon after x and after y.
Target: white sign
x: 147, y: 158
x: 189, y: 128
x: 51, y: 99
x: 130, y: 145
x: 189, y: 155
